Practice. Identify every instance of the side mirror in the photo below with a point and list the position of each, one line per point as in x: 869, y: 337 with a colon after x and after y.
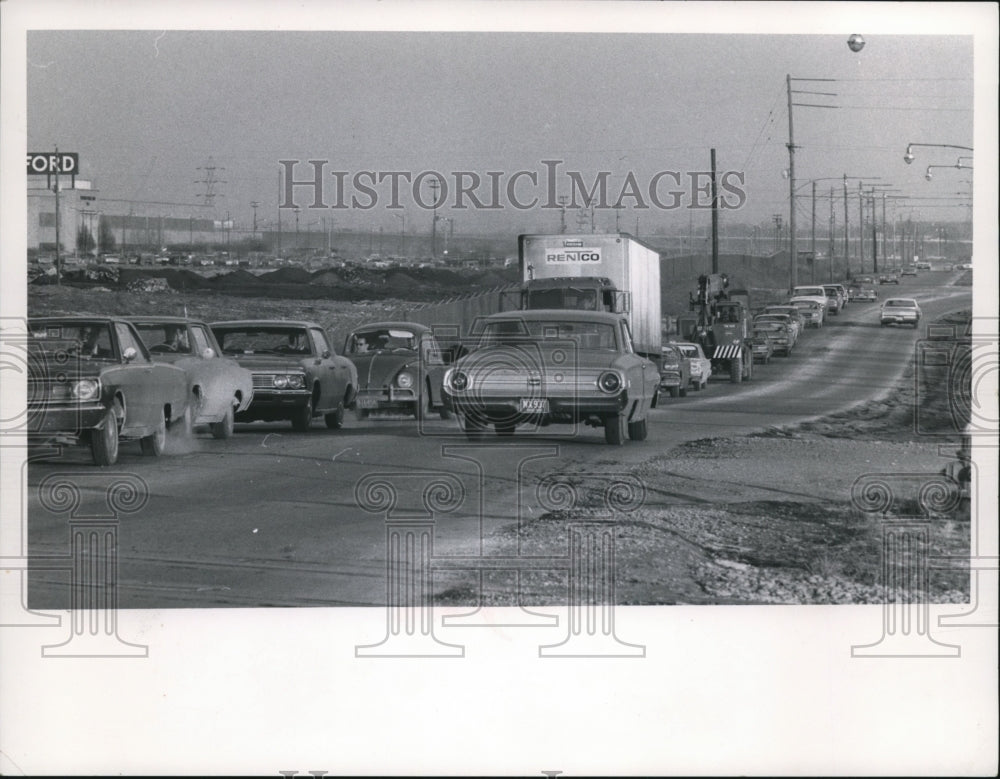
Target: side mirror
x: 130, y: 353
x: 326, y: 354
x: 208, y: 353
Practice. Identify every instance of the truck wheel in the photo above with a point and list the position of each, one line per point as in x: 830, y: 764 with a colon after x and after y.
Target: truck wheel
x: 615, y: 429
x: 303, y: 417
x: 736, y: 370
x: 152, y: 444
x: 104, y: 442
x: 637, y: 431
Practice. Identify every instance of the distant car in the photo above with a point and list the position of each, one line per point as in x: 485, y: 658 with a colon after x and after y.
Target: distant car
x: 554, y: 367
x: 868, y: 295
x: 900, y: 311
x: 218, y: 388
x: 909, y: 270
x: 296, y: 373
x: 761, y: 345
x: 700, y: 366
x: 92, y: 381
x: 675, y: 371
x: 964, y: 266
x: 780, y: 334
x: 923, y: 266
x: 784, y: 319
x: 813, y: 312
x: 888, y: 278
x: 865, y: 280
x: 842, y: 290
x: 834, y: 302
x: 400, y: 368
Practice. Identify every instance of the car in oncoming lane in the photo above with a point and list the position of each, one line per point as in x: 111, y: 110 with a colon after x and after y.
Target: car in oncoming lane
x: 900, y: 311
x: 296, y: 373
x: 400, y: 368
x: 92, y: 381
x: 218, y: 388
x: 554, y: 367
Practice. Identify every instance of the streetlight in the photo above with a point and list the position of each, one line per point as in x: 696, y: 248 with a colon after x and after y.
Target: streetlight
x: 908, y: 157
x: 928, y: 175
x: 402, y: 238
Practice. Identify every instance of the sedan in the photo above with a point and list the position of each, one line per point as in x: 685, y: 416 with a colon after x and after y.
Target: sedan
x: 792, y: 311
x: 218, y: 387
x: 554, y: 367
x: 92, y: 381
x: 784, y: 319
x: 900, y: 311
x: 888, y: 278
x: 296, y: 373
x: 813, y: 313
x: 400, y: 368
x: 700, y: 366
x: 675, y: 371
x: 761, y: 345
x: 781, y: 335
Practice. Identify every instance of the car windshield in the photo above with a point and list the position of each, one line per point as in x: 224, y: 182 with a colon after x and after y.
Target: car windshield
x: 811, y: 291
x: 586, y: 335
x: 900, y: 304
x: 264, y: 340
x: 164, y: 337
x: 80, y: 339
x: 381, y: 339
x: 670, y: 356
x: 689, y: 351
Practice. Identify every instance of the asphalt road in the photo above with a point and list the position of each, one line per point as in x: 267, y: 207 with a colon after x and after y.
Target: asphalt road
x: 272, y: 517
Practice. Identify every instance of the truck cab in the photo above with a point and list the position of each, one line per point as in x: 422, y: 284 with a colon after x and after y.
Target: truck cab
x: 580, y: 294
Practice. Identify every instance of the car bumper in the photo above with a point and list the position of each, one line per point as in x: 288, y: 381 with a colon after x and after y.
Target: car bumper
x: 274, y: 404
x: 73, y: 420
x: 393, y: 399
x: 900, y: 320
x: 560, y: 408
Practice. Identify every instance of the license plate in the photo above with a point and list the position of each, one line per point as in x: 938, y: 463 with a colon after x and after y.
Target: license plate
x: 367, y: 402
x: 534, y: 405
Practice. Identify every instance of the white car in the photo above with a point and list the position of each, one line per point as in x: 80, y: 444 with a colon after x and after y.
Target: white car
x: 813, y: 310
x: 701, y: 366
x: 900, y: 311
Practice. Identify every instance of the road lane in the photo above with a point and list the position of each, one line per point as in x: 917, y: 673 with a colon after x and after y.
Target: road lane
x: 270, y: 517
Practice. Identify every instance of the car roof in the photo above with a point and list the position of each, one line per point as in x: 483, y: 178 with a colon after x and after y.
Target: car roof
x: 901, y: 300
x: 557, y: 315
x: 415, y: 326
x: 78, y: 318
x: 264, y: 323
x: 174, y: 320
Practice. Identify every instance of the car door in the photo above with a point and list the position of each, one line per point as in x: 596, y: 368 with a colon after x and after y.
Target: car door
x: 333, y: 372
x: 143, y: 398
x: 645, y: 374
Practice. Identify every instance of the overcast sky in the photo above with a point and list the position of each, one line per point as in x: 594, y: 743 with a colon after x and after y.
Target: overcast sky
x: 148, y: 111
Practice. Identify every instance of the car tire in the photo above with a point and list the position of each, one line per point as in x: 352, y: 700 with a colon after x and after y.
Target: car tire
x: 736, y: 371
x: 637, y: 431
x: 335, y: 419
x: 152, y: 444
x: 181, y: 429
x: 474, y: 428
x: 696, y: 386
x: 104, y: 442
x: 682, y: 391
x: 704, y: 384
x: 505, y: 429
x: 223, y: 429
x: 674, y: 391
x: 303, y: 417
x: 615, y: 429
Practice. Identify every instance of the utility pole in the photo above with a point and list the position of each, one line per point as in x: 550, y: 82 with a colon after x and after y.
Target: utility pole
x: 58, y: 252
x: 885, y: 257
x: 792, y: 250
x: 279, y: 214
x: 861, y: 228
x: 814, y: 234
x: 832, y: 230
x: 562, y: 213
x: 715, y: 217
x: 847, y: 235
x: 435, y: 186
x: 253, y: 205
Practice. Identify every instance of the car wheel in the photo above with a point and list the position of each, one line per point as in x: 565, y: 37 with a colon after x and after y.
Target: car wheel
x: 224, y: 428
x: 180, y: 429
x: 303, y: 417
x: 474, y: 428
x: 152, y: 444
x: 335, y: 419
x: 506, y: 429
x: 696, y: 386
x: 704, y: 384
x: 736, y: 370
x: 615, y: 429
x: 674, y: 391
x: 104, y: 442
x: 637, y: 431
x: 683, y: 391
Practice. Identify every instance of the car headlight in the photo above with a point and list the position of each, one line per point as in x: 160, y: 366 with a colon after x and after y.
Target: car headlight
x: 296, y: 381
x: 86, y: 389
x: 696, y: 368
x: 404, y: 380
x: 609, y: 382
x: 459, y: 381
